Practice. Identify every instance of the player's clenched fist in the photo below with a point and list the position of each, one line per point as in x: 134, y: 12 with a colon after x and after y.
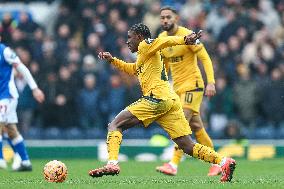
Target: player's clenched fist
x: 105, y: 55
x: 192, y: 38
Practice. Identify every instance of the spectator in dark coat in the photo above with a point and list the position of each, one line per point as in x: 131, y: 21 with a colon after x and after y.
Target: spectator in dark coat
x: 245, y: 96
x: 88, y: 103
x: 272, y: 98
x: 116, y: 98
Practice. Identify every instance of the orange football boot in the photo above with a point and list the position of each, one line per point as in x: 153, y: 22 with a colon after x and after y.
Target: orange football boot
x: 108, y: 169
x: 167, y: 169
x: 228, y: 170
x: 215, y: 170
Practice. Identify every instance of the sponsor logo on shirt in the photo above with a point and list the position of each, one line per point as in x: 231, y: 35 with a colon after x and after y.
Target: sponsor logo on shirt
x: 176, y: 59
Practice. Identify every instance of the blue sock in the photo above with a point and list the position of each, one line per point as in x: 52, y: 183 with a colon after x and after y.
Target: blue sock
x: 20, y: 147
x: 1, y: 145
x: 11, y: 144
x: 6, y: 137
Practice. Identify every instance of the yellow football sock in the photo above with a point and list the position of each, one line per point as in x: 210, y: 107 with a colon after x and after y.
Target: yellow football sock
x: 178, y: 153
x: 203, y: 138
x: 206, y: 154
x: 114, y: 139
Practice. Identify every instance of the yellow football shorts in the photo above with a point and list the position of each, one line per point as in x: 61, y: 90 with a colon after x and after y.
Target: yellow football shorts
x: 192, y: 99
x: 167, y: 113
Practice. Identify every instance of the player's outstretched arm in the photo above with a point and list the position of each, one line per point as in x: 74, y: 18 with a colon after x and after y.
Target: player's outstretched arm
x: 37, y: 93
x: 129, y: 68
x: 164, y: 42
x: 11, y: 57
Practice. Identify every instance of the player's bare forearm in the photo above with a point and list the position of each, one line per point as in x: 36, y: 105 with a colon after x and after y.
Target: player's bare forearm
x: 119, y: 64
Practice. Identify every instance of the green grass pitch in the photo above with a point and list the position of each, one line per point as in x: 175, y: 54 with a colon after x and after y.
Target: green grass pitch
x: 138, y: 175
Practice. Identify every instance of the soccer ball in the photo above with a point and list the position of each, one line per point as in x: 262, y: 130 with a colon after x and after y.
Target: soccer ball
x: 55, y: 171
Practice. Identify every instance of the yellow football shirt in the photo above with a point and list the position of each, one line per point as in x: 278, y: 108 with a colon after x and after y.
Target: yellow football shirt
x: 149, y: 67
x: 182, y: 61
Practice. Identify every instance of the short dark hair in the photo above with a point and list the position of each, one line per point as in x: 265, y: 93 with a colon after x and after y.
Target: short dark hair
x: 169, y: 8
x: 141, y: 29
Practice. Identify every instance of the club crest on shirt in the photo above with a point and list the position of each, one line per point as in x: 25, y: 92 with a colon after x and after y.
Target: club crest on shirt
x: 149, y: 40
x: 139, y: 69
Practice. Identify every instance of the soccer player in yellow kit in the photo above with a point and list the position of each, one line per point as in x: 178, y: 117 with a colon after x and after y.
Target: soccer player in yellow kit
x: 158, y: 103
x: 187, y: 83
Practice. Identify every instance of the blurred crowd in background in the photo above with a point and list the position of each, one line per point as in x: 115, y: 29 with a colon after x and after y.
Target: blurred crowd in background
x: 245, y: 40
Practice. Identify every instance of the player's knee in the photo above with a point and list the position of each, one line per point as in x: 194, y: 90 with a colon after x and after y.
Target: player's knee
x: 189, y: 115
x: 2, y: 129
x: 195, y: 123
x: 195, y: 126
x: 12, y: 132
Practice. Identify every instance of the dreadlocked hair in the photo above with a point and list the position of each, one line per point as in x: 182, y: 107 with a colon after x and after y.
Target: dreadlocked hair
x: 141, y: 29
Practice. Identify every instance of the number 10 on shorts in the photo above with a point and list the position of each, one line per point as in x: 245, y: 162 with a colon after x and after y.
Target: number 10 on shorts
x: 188, y: 97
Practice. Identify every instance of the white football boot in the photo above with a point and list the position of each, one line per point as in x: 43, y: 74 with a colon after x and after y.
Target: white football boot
x: 3, y: 164
x: 16, y: 161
